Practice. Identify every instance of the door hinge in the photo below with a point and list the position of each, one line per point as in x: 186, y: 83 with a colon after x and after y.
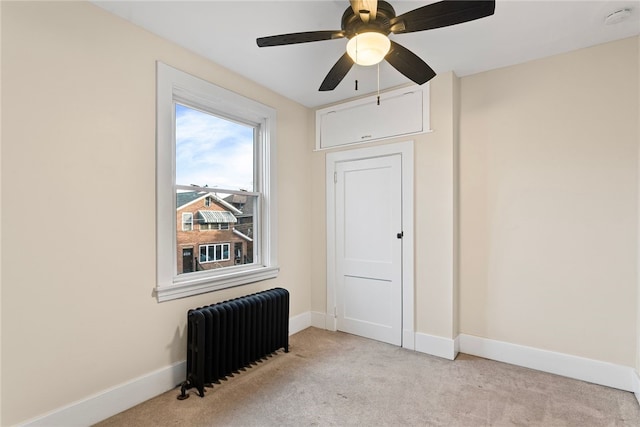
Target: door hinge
x: 400, y: 235
x: 335, y: 177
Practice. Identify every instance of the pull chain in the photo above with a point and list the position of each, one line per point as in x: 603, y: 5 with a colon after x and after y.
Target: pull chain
x: 356, y: 61
x: 378, y: 83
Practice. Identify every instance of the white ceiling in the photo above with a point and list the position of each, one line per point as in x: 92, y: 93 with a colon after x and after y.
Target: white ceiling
x: 226, y: 32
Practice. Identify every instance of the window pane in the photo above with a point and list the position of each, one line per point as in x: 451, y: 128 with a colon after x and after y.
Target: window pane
x: 212, y: 151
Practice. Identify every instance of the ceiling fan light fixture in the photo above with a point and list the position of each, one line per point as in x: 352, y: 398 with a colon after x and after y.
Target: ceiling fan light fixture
x: 368, y: 48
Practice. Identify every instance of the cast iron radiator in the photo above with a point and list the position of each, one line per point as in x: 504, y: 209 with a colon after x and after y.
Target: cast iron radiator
x: 227, y: 337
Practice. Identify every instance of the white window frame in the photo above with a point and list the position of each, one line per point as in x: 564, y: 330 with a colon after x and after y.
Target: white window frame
x: 174, y: 85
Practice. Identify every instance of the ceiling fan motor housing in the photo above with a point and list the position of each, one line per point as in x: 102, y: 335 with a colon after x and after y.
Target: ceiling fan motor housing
x: 352, y: 24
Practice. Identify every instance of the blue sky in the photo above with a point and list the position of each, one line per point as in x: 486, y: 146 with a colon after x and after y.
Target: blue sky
x: 212, y: 151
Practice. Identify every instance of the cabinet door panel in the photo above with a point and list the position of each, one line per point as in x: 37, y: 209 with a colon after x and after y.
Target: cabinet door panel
x: 364, y: 120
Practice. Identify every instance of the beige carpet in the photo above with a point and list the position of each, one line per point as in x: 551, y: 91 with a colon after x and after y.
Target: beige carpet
x: 332, y: 378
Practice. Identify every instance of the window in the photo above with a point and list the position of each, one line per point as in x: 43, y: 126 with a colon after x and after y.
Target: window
x: 210, y: 226
x: 203, y: 129
x: 215, y: 252
x: 187, y: 221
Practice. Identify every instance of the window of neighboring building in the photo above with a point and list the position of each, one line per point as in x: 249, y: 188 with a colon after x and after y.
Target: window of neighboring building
x: 213, y: 148
x: 215, y: 252
x: 187, y: 221
x: 214, y: 226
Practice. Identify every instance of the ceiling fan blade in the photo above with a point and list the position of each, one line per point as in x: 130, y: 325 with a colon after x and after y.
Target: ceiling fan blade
x: 366, y: 9
x: 441, y: 14
x: 293, y: 38
x: 409, y: 64
x: 337, y: 73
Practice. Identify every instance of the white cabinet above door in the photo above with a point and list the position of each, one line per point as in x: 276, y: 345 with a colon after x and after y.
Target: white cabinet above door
x: 401, y: 112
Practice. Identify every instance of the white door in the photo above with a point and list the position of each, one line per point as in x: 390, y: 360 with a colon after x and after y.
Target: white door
x: 368, y: 247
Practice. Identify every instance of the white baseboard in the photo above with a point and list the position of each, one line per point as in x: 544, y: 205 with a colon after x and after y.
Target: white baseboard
x: 103, y: 405
x: 300, y: 322
x: 436, y: 346
x: 114, y: 400
x: 593, y: 371
x: 318, y: 320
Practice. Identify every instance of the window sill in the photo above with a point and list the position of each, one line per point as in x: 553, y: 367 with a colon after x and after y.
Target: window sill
x: 201, y: 285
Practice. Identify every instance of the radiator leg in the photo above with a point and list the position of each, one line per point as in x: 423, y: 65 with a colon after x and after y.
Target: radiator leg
x: 183, y: 391
x: 186, y: 385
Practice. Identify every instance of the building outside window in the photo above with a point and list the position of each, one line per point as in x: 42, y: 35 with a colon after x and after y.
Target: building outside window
x: 215, y: 234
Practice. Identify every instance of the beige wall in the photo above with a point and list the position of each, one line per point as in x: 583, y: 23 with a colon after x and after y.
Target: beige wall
x: 549, y: 203
x: 434, y: 214
x: 1, y: 237
x: 78, y: 181
x: 638, y: 259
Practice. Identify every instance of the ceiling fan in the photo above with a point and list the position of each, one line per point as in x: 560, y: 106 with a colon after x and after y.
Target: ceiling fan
x: 367, y: 24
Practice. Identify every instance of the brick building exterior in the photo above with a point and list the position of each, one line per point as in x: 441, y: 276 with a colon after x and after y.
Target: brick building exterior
x: 206, y: 233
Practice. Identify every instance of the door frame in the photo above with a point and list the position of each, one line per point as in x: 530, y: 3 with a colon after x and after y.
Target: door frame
x: 405, y: 150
